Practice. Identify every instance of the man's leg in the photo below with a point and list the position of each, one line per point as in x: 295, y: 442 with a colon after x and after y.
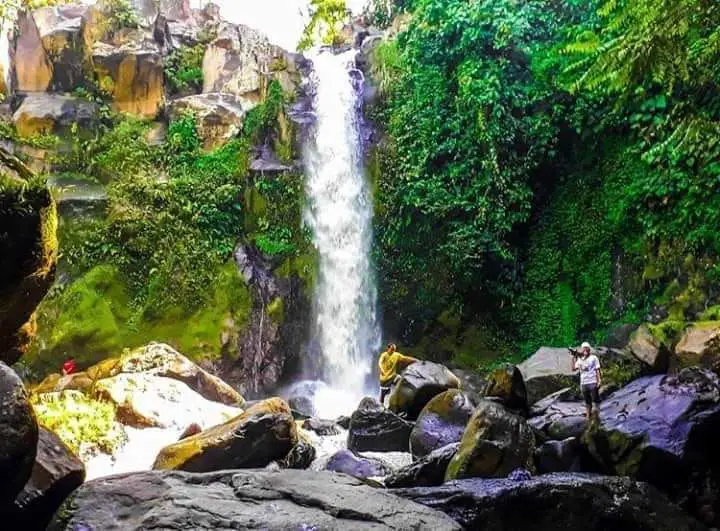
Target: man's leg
x: 383, y: 393
x: 595, y: 394
x: 587, y: 396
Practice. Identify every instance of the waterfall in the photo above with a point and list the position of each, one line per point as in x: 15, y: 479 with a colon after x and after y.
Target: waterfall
x: 339, y: 214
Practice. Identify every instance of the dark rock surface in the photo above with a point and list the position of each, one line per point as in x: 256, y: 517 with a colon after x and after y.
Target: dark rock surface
x: 507, y: 384
x: 300, y: 457
x: 254, y: 499
x: 418, y: 384
x: 321, y: 427
x: 559, y: 456
x: 56, y: 473
x: 561, y: 419
x: 553, y: 502
x: 441, y: 422
x: 356, y: 466
x: 18, y: 435
x: 374, y: 428
x: 427, y: 471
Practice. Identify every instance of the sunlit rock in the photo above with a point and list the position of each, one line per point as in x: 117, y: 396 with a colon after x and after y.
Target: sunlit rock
x: 441, y: 422
x: 418, y: 384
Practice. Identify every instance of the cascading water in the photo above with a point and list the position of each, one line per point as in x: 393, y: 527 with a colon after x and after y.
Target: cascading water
x: 339, y: 213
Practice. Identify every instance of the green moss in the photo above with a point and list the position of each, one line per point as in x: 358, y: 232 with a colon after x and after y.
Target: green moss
x: 304, y: 267
x: 668, y: 332
x: 276, y: 310
x: 711, y: 314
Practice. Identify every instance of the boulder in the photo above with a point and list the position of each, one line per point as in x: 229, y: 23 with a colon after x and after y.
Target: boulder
x: 542, y: 405
x: 554, y: 501
x: 302, y: 406
x: 374, y: 428
x: 162, y: 360
x: 343, y: 421
x: 255, y: 499
x: 56, y: 383
x: 418, y: 384
x: 699, y: 345
x: 562, y: 419
x: 219, y: 117
x: 506, y: 383
x: 193, y: 429
x: 646, y: 347
x: 60, y: 30
x: 264, y: 433
x: 427, y: 471
x: 18, y: 435
x: 52, y: 113
x: 56, y: 473
x: 558, y: 456
x: 241, y: 61
x: 132, y: 73
x: 31, y: 67
x: 28, y: 253
x: 321, y: 427
x: 144, y: 399
x: 665, y: 430
x: 441, y: 422
x: 301, y: 456
x: 348, y: 463
x: 495, y: 443
x: 547, y: 371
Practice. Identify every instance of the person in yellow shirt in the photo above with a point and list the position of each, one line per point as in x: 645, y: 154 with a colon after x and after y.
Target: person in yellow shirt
x: 391, y: 363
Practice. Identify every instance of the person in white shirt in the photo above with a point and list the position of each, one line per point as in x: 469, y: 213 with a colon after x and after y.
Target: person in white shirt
x: 590, y: 378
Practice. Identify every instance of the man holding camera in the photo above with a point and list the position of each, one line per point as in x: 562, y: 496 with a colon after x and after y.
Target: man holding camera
x: 590, y: 379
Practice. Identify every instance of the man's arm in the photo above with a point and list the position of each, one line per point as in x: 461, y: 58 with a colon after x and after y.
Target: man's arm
x: 598, y: 372
x: 403, y: 360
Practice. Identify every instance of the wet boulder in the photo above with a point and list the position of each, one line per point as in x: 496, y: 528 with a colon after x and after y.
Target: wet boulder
x: 699, y: 345
x: 555, y: 501
x: 561, y: 419
x: 441, y: 422
x: 159, y: 359
x: 302, y: 406
x: 144, y: 400
x: 219, y: 117
x: 418, y: 384
x: 427, y: 471
x: 18, y: 435
x: 56, y: 473
x: 356, y: 466
x: 495, y: 443
x: 547, y: 371
x: 665, y: 430
x: 646, y: 347
x: 265, y: 432
x: 559, y: 456
x: 374, y: 428
x: 301, y: 456
x: 506, y: 383
x: 254, y: 499
x: 40, y: 114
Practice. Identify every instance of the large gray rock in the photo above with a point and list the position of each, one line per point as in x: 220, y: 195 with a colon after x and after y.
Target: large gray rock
x: 558, y: 456
x: 441, y: 422
x: 547, y: 371
x: 418, y: 384
x: 52, y: 113
x: 356, y: 466
x: 427, y: 471
x: 254, y: 499
x: 219, y: 117
x: 374, y: 428
x: 495, y: 443
x: 241, y: 61
x: 699, y: 345
x: 646, y: 347
x: 665, y: 430
x: 555, y: 501
x: 561, y: 419
x: 57, y: 472
x: 18, y: 435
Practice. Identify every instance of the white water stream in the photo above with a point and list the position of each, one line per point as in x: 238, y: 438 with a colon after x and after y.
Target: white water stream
x: 339, y: 213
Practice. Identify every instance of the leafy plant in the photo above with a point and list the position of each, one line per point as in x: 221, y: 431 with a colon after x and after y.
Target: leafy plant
x: 327, y: 19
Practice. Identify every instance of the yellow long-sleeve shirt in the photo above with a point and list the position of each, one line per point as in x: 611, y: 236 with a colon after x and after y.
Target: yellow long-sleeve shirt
x: 391, y: 364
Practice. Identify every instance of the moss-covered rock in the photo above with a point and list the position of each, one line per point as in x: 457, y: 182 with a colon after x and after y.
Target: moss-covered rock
x: 57, y: 383
x: 263, y: 433
x: 441, y: 422
x: 699, y: 345
x: 418, y: 384
x: 507, y: 384
x: 495, y: 443
x: 28, y: 253
x: 649, y: 350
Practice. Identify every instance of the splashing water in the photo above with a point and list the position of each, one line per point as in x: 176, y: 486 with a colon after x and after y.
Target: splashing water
x: 339, y: 214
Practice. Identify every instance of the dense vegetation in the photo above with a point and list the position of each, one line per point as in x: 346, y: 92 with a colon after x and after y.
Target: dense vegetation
x: 561, y: 173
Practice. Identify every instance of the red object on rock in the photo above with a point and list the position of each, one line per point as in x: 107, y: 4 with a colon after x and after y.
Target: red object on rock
x: 69, y: 367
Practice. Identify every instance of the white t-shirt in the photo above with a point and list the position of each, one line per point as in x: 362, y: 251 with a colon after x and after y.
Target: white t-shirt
x: 588, y: 368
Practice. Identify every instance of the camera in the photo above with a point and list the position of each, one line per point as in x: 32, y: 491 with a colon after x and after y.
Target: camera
x: 574, y: 353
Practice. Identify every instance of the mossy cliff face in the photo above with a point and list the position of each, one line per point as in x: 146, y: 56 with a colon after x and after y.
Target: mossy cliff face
x: 153, y: 206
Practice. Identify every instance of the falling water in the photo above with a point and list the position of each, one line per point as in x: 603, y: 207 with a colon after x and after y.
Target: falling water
x: 339, y: 213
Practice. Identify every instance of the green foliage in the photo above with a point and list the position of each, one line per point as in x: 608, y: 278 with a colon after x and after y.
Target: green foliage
x: 84, y: 424
x: 183, y: 69
x: 120, y: 14
x: 327, y: 19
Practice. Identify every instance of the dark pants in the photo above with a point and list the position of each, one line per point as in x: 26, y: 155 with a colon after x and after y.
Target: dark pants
x: 383, y: 393
x: 590, y: 394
